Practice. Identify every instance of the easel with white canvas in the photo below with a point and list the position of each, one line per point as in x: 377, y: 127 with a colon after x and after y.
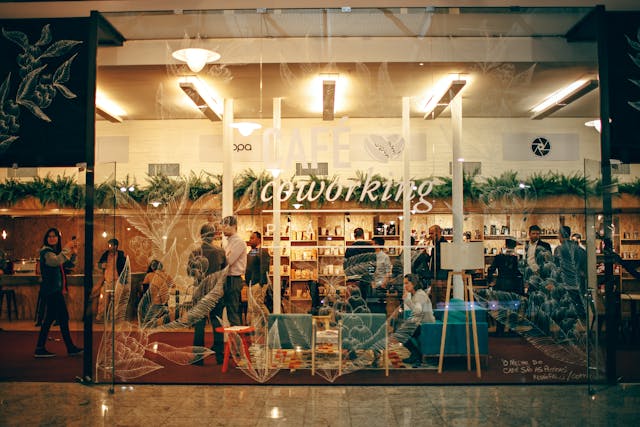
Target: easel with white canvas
x: 459, y: 258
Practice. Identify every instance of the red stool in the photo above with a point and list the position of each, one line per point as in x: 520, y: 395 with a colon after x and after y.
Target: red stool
x: 244, y: 332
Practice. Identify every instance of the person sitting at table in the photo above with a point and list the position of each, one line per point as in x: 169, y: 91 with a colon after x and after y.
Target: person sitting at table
x: 417, y: 301
x: 158, y: 283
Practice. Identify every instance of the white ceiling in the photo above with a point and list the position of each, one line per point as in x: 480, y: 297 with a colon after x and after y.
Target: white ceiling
x: 515, y: 57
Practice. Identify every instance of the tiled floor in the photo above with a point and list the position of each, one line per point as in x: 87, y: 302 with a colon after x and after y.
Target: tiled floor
x: 53, y: 404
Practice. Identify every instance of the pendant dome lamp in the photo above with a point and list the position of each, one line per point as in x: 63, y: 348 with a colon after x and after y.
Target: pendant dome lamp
x: 196, y: 58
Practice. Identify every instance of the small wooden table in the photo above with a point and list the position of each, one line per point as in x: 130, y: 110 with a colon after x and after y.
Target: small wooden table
x: 243, y: 332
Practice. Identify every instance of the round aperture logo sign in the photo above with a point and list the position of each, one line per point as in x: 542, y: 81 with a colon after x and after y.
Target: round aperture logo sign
x: 541, y: 146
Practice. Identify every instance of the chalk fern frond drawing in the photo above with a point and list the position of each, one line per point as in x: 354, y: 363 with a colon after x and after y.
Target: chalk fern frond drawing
x: 635, y: 57
x: 38, y: 85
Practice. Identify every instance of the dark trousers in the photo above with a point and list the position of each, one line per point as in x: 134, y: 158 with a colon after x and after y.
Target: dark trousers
x: 232, y: 293
x: 55, y: 309
x: 218, y: 338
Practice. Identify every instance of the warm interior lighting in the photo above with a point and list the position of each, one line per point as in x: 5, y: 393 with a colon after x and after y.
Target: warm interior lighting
x: 246, y: 128
x: 200, y: 93
x: 108, y: 109
x: 196, y: 58
x: 563, y: 97
x: 594, y: 124
x: 328, y: 94
x: 4, y: 234
x: 329, y: 81
x: 328, y: 99
x: 442, y: 95
x: 275, y: 172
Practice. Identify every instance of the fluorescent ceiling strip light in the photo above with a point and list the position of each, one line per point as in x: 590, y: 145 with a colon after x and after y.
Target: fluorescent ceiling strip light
x: 563, y: 97
x: 200, y: 93
x: 108, y: 109
x: 442, y: 95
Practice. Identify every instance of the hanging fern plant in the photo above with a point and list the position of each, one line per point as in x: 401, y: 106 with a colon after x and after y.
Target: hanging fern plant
x: 202, y: 184
x: 632, y: 187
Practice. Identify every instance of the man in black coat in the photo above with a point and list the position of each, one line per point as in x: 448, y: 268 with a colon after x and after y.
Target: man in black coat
x: 203, y: 262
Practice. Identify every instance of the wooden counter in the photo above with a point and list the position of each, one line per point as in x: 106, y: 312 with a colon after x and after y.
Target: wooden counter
x: 27, y: 287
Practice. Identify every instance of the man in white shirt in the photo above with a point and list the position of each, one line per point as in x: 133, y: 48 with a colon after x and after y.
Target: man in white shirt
x: 236, y: 253
x: 533, y: 246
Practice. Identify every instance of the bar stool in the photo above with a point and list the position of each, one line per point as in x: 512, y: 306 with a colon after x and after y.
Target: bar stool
x: 243, y: 332
x: 11, y: 301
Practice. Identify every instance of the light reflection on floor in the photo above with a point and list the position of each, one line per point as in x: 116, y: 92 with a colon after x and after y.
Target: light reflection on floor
x: 136, y: 405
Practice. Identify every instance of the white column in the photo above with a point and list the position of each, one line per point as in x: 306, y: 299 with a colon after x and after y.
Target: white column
x: 227, y: 159
x: 277, y: 250
x: 406, y: 202
x: 457, y: 189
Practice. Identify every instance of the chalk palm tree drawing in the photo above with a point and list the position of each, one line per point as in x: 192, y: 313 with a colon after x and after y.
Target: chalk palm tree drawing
x: 38, y: 85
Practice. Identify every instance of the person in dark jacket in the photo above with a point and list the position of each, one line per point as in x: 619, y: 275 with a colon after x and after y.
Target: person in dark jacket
x: 112, y: 263
x: 203, y: 262
x: 356, y: 259
x: 258, y: 261
x: 509, y: 276
x: 52, y: 289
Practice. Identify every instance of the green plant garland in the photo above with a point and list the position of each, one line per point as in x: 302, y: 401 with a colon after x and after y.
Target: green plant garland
x: 64, y: 191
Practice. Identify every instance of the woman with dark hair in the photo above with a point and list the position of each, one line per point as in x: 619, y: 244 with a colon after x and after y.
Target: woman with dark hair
x: 155, y: 302
x: 54, y: 283
x: 417, y: 301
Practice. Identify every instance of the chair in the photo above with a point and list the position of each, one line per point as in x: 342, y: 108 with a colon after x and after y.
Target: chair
x: 290, y: 331
x: 11, y: 301
x: 366, y: 331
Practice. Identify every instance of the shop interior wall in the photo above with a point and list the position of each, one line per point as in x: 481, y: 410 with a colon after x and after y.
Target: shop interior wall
x: 156, y: 142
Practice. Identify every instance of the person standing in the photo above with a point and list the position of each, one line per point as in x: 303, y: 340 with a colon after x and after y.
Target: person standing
x: 382, y: 274
x: 236, y: 252
x: 359, y: 246
x: 112, y: 263
x: 509, y: 279
x: 258, y: 261
x: 437, y: 275
x: 533, y: 247
x: 572, y: 260
x: 52, y: 289
x: 356, y: 262
x: 204, y: 261
x: 436, y: 239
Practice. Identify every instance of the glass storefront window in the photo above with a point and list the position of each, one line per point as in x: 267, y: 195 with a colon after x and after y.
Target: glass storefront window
x: 410, y: 134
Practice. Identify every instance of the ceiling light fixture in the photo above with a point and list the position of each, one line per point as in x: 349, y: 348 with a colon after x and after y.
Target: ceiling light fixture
x: 594, y: 124
x: 246, y: 128
x: 108, y: 109
x: 196, y: 58
x: 200, y: 94
x: 442, y: 95
x: 563, y: 97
